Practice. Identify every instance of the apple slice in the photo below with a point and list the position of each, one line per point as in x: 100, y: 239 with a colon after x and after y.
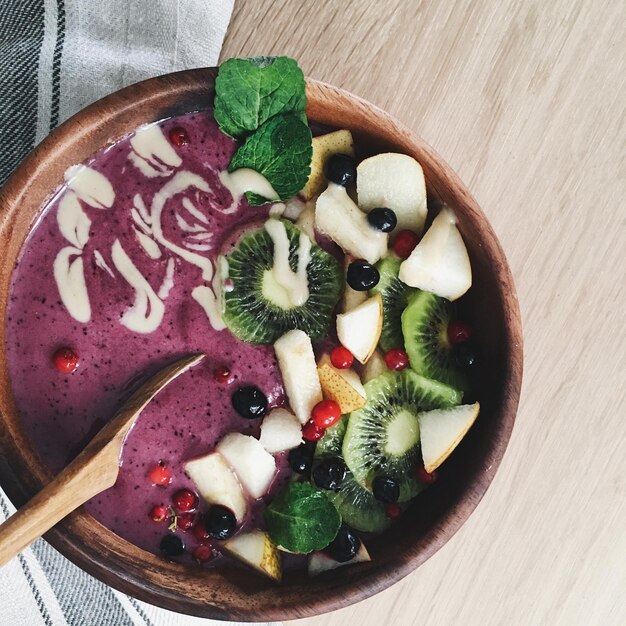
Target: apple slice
x: 395, y: 181
x: 257, y: 550
x: 339, y: 218
x: 374, y: 367
x: 359, y: 330
x: 254, y: 466
x: 324, y: 146
x: 441, y: 432
x: 342, y: 386
x: 294, y: 352
x: 439, y: 263
x: 281, y: 430
x: 320, y: 561
x: 217, y: 483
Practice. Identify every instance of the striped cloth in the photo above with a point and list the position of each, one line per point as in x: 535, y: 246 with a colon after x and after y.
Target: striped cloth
x: 57, y: 56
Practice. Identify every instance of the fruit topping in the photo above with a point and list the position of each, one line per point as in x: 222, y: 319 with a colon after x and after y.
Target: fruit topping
x: 359, y: 330
x: 321, y: 562
x: 374, y: 367
x: 301, y: 458
x: 340, y: 169
x: 341, y: 358
x: 424, y: 477
x: 383, y: 219
x: 326, y: 413
x: 160, y: 475
x: 250, y: 402
x: 257, y: 550
x: 185, y: 500
x: 344, y: 546
x: 393, y: 511
x: 324, y: 146
x: 386, y: 489
x: 65, y: 360
x: 200, y: 532
x: 172, y: 545
x: 465, y: 355
x: 185, y: 521
x: 396, y: 359
x: 459, y: 331
x: 312, y: 432
x: 202, y: 553
x: 405, y: 243
x: 362, y: 276
x: 159, y: 513
x: 341, y: 385
x: 329, y: 473
x: 179, y: 136
x: 222, y: 374
x: 220, y: 522
x: 281, y: 430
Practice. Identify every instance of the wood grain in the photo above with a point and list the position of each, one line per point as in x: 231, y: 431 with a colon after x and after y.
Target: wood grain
x: 526, y: 100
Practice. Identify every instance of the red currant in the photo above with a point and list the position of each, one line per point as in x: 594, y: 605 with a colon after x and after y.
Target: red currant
x: 159, y: 513
x: 341, y: 358
x: 396, y: 359
x: 179, y: 136
x: 186, y: 520
x: 65, y: 360
x: 393, y: 511
x: 423, y: 476
x: 311, y: 432
x: 160, y: 475
x: 404, y: 243
x: 458, y: 332
x: 221, y: 374
x: 200, y: 533
x: 202, y: 553
x: 185, y: 500
x: 326, y: 413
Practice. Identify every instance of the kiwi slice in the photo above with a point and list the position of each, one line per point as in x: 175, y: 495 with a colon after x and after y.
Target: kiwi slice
x: 330, y: 444
x: 256, y: 310
x: 425, y: 328
x: 382, y: 438
x: 395, y: 296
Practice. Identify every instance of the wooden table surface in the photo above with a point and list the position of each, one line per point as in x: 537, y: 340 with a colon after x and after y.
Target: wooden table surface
x: 526, y: 100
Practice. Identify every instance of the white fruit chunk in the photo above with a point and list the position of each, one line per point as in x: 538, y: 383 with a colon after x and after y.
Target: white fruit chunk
x: 374, y: 367
x: 439, y: 263
x: 359, y: 330
x: 351, y: 298
x: 254, y: 466
x: 217, y: 483
x: 294, y: 352
x: 306, y: 220
x: 280, y: 430
x: 339, y: 218
x: 324, y: 146
x: 395, y: 181
x: 341, y: 385
x: 442, y: 430
x: 320, y: 561
x: 257, y: 550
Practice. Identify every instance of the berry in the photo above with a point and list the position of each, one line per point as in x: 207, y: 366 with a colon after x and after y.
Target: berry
x: 404, y: 243
x: 382, y: 219
x: 341, y: 169
x: 424, y: 477
x: 249, y: 402
x: 458, y: 332
x: 386, y: 489
x: 220, y: 522
x: 465, y: 355
x: 392, y: 511
x: 179, y: 136
x: 326, y: 413
x: 160, y: 475
x: 344, y: 546
x: 171, y: 545
x: 200, y: 533
x: 329, y: 473
x: 221, y: 374
x: 311, y: 432
x: 185, y: 521
x: 341, y: 358
x: 362, y: 276
x: 202, y: 553
x: 396, y: 359
x: 185, y: 500
x: 301, y: 458
x: 65, y: 360
x: 159, y: 513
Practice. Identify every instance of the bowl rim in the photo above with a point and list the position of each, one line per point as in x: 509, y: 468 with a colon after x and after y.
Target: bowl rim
x: 131, y: 570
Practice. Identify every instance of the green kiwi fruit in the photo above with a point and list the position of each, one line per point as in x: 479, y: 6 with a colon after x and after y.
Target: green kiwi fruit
x: 382, y: 438
x: 425, y: 328
x: 256, y: 310
x: 330, y: 444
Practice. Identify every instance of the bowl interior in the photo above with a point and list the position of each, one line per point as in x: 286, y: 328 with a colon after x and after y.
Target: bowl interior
x: 234, y: 593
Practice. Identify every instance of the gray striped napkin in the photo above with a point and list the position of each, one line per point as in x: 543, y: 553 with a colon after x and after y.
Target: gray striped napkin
x: 57, y: 56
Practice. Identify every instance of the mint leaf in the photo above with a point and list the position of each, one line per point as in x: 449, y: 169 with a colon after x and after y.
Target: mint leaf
x: 302, y: 519
x: 281, y: 150
x: 248, y: 92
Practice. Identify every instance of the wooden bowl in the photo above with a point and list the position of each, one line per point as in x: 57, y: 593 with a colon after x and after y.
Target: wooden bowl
x: 235, y: 593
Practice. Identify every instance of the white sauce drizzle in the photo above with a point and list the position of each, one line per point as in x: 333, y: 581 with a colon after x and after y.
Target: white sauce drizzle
x: 201, y: 247
x: 168, y: 281
x: 205, y: 297
x: 70, y: 280
x: 139, y: 221
x: 277, y: 210
x: 152, y: 153
x: 242, y: 180
x: 149, y: 245
x: 183, y: 224
x: 147, y: 311
x: 72, y: 220
x: 189, y: 205
x: 102, y: 264
x: 140, y: 205
x: 90, y: 186
x: 203, y: 236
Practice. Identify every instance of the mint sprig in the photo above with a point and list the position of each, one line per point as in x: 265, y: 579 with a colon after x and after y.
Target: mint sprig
x: 302, y: 519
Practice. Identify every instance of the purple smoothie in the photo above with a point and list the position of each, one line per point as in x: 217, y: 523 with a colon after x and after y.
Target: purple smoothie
x: 62, y: 412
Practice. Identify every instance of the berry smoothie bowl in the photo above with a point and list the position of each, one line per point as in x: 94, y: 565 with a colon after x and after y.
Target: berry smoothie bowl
x: 359, y: 321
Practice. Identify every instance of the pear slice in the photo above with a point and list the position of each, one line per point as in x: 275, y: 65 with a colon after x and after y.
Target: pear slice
x: 339, y: 218
x: 294, y: 352
x: 321, y: 562
x: 359, y: 329
x: 442, y: 430
x: 439, y: 263
x: 395, y: 181
x: 374, y: 367
x: 351, y: 298
x: 254, y: 466
x: 306, y: 221
x: 281, y: 430
x: 342, y: 386
x: 324, y: 146
x: 217, y: 483
x: 256, y: 549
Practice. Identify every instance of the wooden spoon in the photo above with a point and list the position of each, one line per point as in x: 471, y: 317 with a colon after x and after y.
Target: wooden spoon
x: 92, y: 471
